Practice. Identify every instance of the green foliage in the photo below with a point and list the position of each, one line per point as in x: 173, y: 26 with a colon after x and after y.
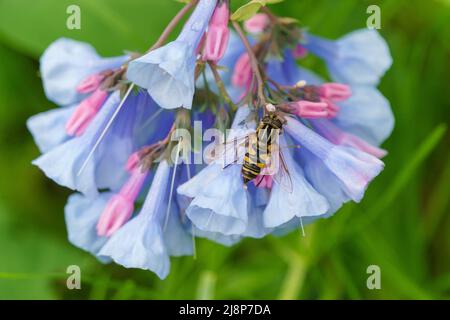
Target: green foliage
x: 251, y: 8
x: 402, y: 225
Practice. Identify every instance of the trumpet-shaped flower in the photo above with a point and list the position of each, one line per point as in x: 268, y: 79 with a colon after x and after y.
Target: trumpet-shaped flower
x: 49, y: 128
x: 365, y: 113
x: 168, y: 73
x: 302, y: 201
x: 332, y: 132
x: 65, y: 162
x: 361, y: 57
x: 146, y: 241
x: 66, y: 63
x: 82, y: 214
x: 219, y: 201
x: 355, y: 169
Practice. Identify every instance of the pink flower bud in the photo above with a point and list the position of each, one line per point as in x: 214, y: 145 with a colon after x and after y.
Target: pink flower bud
x: 310, y: 110
x: 242, y: 73
x: 218, y: 34
x: 120, y: 207
x: 85, y: 113
x: 299, y: 52
x: 91, y: 83
x: 263, y: 181
x: 335, y: 91
x: 257, y: 24
x: 332, y: 108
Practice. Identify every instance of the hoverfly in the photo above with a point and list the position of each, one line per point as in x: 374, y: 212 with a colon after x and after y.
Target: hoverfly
x: 261, y: 152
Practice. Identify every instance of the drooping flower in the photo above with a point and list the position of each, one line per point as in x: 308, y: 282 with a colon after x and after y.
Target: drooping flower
x: 354, y: 169
x: 301, y: 200
x: 168, y: 73
x: 82, y: 214
x: 66, y: 63
x: 219, y: 201
x: 72, y: 74
x: 337, y: 136
x: 365, y: 113
x: 49, y: 128
x: 361, y: 57
x: 64, y: 163
x: 147, y: 241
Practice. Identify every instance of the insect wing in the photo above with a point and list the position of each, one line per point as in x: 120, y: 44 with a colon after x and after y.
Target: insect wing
x: 233, y: 151
x: 282, y: 175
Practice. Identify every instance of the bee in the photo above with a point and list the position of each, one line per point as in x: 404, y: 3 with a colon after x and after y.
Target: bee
x: 262, y: 152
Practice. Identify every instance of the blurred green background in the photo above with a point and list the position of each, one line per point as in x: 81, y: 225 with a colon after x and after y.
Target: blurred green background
x: 402, y: 225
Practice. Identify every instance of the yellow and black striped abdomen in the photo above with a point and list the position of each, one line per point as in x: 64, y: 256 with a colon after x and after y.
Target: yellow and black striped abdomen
x: 258, y: 154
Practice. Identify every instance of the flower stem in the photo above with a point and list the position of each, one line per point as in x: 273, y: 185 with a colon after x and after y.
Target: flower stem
x: 254, y: 63
x: 221, y: 86
x: 172, y: 24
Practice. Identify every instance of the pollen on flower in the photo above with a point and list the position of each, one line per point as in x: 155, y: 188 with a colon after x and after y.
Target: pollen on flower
x: 301, y: 84
x: 270, y: 107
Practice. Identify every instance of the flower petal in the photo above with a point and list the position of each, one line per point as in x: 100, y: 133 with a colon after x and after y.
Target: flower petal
x: 168, y: 74
x: 354, y: 169
x: 302, y: 201
x: 82, y: 214
x: 219, y: 200
x: 366, y: 114
x: 140, y: 242
x: 65, y: 63
x: 361, y: 57
x: 49, y: 128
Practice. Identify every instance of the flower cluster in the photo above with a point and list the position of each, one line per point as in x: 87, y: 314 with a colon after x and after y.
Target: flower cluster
x: 116, y: 138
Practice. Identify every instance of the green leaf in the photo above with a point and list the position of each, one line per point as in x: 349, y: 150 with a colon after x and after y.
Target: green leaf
x: 248, y: 10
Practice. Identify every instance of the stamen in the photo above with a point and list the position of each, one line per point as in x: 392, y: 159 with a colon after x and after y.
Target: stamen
x: 194, y: 244
x: 149, y: 121
x: 301, y: 84
x: 102, y: 136
x: 303, y: 230
x: 169, y: 206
